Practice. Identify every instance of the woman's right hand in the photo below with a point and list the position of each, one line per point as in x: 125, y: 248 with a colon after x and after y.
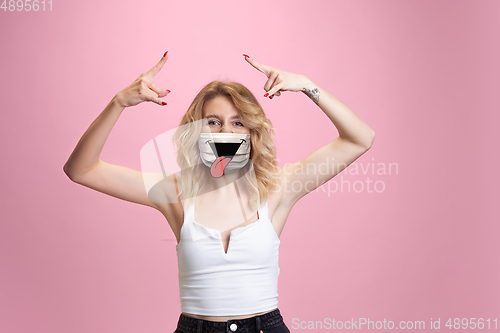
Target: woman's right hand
x: 143, y: 88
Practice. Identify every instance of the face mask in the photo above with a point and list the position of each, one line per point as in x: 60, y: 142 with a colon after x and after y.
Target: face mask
x: 224, y: 151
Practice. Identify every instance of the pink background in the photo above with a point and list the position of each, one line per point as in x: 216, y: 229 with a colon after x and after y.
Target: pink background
x: 424, y: 75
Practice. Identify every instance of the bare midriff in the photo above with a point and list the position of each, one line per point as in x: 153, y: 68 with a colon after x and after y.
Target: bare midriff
x: 221, y: 318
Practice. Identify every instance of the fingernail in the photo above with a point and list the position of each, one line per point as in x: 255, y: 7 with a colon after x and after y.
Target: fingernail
x: 246, y: 55
x: 168, y: 90
x: 267, y: 94
x: 165, y: 54
x: 164, y: 103
x: 271, y: 97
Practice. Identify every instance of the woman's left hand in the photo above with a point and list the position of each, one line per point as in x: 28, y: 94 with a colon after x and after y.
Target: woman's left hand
x: 279, y: 80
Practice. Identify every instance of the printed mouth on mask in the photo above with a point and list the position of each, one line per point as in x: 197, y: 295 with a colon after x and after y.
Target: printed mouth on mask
x: 225, y: 153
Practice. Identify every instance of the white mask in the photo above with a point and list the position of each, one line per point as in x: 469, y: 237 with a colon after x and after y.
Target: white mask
x: 232, y: 149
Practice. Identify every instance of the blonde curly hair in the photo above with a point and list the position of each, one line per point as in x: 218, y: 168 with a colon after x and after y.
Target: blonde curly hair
x: 264, y: 167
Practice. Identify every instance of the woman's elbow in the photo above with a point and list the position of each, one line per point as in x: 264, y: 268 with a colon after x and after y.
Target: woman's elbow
x: 369, y: 139
x: 372, y: 139
x: 68, y: 172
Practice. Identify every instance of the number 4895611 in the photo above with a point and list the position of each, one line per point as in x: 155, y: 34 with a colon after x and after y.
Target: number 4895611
x: 26, y: 5
x: 471, y: 323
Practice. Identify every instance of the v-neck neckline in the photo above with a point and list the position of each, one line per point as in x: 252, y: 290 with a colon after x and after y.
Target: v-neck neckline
x: 219, y: 233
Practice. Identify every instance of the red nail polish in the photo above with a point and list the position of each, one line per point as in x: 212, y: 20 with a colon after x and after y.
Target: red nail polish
x: 267, y: 94
x: 271, y: 97
x: 164, y: 103
x: 246, y: 55
x: 168, y: 90
x: 165, y: 54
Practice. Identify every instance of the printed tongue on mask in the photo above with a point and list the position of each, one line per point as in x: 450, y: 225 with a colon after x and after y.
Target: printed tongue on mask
x: 226, y: 152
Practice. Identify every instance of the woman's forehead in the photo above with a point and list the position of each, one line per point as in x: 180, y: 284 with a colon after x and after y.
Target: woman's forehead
x: 221, y: 107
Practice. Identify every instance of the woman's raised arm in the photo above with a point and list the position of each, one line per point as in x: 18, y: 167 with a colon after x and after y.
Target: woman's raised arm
x: 84, y: 166
x: 355, y: 136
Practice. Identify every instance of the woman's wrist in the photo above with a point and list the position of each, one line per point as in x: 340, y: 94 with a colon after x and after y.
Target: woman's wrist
x: 308, y: 84
x: 117, y: 103
x: 311, y: 89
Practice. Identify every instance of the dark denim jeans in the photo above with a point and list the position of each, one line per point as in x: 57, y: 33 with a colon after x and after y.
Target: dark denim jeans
x: 271, y: 322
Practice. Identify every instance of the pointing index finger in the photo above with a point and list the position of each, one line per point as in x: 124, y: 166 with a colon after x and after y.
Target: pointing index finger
x: 156, y: 68
x: 260, y: 67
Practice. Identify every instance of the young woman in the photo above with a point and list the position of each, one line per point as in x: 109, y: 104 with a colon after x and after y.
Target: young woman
x: 229, y: 204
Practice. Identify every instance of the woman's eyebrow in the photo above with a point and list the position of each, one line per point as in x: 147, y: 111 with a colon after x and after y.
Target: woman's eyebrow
x: 237, y: 116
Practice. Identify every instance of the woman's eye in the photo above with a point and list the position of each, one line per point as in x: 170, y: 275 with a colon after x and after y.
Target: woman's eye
x: 213, y: 122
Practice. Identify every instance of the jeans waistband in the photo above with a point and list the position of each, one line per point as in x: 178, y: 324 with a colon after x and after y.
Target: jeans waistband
x: 252, y: 324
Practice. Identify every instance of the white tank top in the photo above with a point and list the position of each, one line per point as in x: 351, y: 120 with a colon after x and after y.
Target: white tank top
x: 242, y: 281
